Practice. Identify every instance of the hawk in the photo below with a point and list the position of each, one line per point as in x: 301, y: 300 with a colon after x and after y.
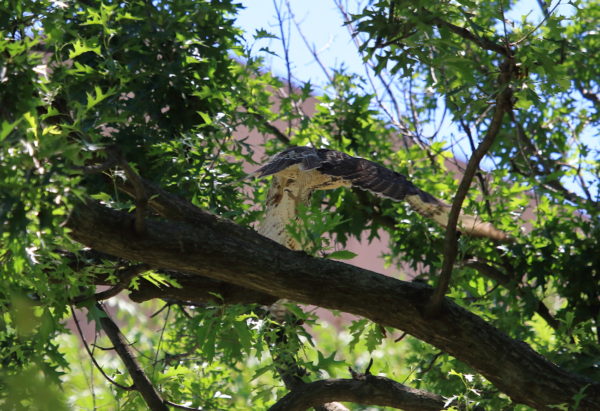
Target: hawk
x: 299, y: 171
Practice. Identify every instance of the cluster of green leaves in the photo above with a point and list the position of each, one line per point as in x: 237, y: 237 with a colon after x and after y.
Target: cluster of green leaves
x: 160, y: 81
x: 310, y: 230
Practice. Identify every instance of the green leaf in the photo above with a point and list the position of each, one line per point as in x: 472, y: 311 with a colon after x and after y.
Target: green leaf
x: 468, y: 3
x: 99, y: 96
x: 94, y: 313
x: 207, y: 119
x: 159, y: 279
x: 263, y: 34
x: 328, y: 363
x: 6, y: 127
x: 342, y: 255
x: 244, y: 335
x: 564, y: 83
x: 374, y: 337
x: 79, y: 47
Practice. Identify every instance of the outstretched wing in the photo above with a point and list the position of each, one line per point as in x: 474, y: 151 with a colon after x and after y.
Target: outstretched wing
x: 373, y: 177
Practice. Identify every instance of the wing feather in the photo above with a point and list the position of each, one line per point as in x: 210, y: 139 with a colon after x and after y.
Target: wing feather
x: 382, y: 181
x: 367, y: 175
x: 305, y: 156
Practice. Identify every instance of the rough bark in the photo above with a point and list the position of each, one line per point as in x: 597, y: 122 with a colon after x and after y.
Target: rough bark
x: 372, y: 390
x: 216, y: 248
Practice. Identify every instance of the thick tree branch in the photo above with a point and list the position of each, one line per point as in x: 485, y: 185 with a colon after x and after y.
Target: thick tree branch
x: 164, y: 203
x: 371, y: 390
x: 109, y: 163
x: 219, y: 249
x: 194, y: 289
x: 483, y: 268
x: 140, y: 380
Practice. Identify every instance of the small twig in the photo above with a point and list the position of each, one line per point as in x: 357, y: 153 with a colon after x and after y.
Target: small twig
x: 546, y: 17
x: 425, y: 370
x: 506, y: 42
x: 585, y: 187
x: 544, y: 8
x: 369, y: 66
x: 431, y: 363
x: 368, y: 369
x: 87, y: 349
x: 361, y: 375
x: 160, y: 338
x: 286, y: 53
x: 161, y: 309
x: 103, y: 348
x: 91, y: 385
x: 548, y: 167
x: 141, y: 382
x: 281, y: 136
x: 480, y: 178
x: 310, y: 48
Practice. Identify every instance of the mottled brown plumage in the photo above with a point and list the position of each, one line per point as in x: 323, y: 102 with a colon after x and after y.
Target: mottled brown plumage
x: 299, y: 171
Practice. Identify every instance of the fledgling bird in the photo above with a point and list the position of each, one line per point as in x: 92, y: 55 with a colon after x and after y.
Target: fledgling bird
x: 299, y: 171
